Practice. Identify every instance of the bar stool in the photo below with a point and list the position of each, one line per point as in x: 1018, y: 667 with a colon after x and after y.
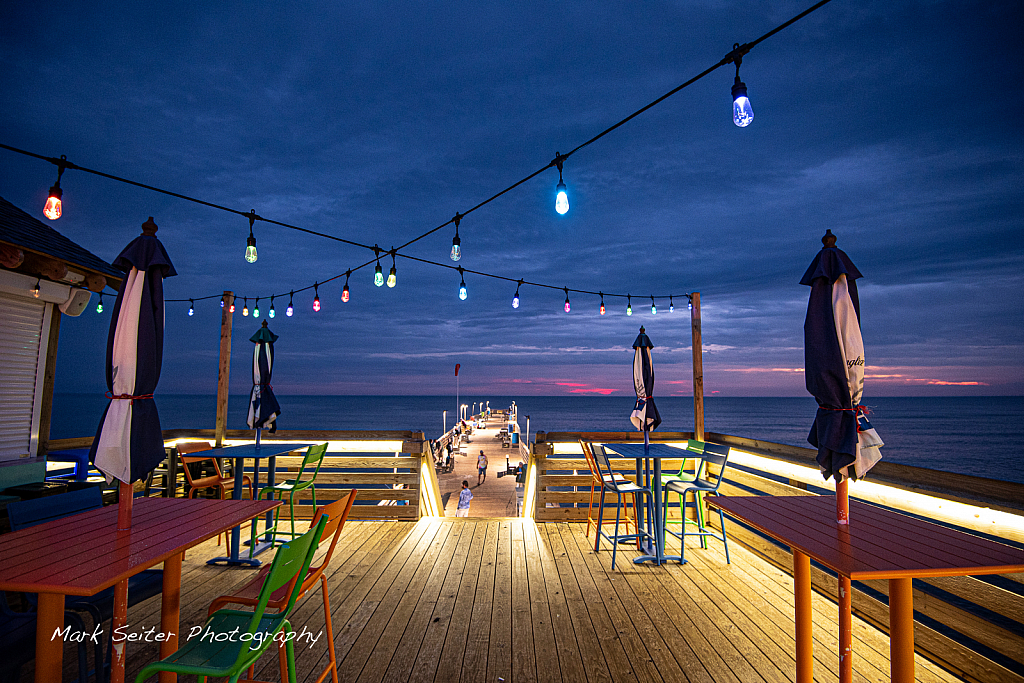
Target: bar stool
x: 714, y: 454
x: 620, y: 487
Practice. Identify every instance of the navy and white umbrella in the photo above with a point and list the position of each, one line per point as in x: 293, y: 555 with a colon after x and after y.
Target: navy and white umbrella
x: 129, y: 443
x: 645, y: 415
x: 263, y: 405
x: 834, y: 366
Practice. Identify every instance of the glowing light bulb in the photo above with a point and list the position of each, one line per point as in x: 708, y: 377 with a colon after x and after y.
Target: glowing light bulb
x: 344, y: 293
x: 316, y: 303
x: 378, y: 276
x: 392, y: 277
x: 654, y: 307
x: 462, y: 290
x: 742, y: 113
x: 99, y: 306
x: 602, y: 307
x: 456, y: 248
x: 250, y: 249
x: 567, y: 307
x: 256, y: 309
x: 191, y: 308
x: 690, y: 305
x: 53, y: 205
x: 271, y: 312
x: 231, y: 309
x: 629, y: 307
x: 561, y: 198
x: 290, y: 310
x: 35, y: 289
x: 222, y: 303
x: 671, y: 306
x: 515, y: 300
x: 245, y: 310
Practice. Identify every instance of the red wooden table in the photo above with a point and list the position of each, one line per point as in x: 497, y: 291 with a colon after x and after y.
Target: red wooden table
x: 876, y: 544
x: 84, y: 554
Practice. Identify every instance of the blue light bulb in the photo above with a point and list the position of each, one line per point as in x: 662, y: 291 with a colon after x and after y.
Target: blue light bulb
x: 561, y: 199
x: 742, y: 113
x: 462, y: 291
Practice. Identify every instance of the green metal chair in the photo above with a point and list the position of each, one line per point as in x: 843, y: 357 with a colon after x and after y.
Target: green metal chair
x: 289, y: 488
x: 233, y: 640
x: 697, y: 448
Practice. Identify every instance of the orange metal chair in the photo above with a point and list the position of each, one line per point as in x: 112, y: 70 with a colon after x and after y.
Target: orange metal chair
x: 597, y: 482
x: 216, y: 480
x: 337, y: 513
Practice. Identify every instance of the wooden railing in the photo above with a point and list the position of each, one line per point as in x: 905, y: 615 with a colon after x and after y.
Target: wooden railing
x: 988, y: 611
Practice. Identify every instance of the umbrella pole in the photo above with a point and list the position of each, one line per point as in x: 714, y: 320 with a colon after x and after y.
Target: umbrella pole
x: 125, y: 495
x: 842, y: 502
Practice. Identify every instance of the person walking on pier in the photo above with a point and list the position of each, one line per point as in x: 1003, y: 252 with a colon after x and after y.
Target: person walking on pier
x: 481, y: 466
x: 465, y: 495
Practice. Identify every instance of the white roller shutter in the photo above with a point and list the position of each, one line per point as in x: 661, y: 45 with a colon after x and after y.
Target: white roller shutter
x: 23, y: 338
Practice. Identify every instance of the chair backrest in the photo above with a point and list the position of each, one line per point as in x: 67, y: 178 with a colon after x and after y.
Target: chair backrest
x: 291, y: 561
x: 588, y: 453
x: 336, y: 513
x: 600, y: 455
x: 313, y: 453
x: 28, y: 513
x: 186, y: 460
x: 697, y: 448
x: 718, y: 455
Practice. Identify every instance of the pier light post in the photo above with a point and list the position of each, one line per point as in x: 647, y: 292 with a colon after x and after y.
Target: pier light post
x: 698, y: 368
x: 444, y: 428
x: 224, y: 369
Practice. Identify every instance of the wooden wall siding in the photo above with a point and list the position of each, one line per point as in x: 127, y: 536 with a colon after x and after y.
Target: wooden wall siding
x: 988, y: 614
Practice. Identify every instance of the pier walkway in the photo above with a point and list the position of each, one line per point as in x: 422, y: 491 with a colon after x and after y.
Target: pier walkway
x: 496, y: 497
x: 449, y: 600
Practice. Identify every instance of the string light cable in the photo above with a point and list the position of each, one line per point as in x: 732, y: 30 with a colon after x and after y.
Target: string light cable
x: 733, y: 57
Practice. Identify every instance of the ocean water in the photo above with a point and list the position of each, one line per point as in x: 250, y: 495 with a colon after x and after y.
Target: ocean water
x: 982, y: 436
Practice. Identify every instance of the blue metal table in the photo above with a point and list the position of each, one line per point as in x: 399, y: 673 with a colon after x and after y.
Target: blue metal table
x: 255, y: 451
x: 655, y: 452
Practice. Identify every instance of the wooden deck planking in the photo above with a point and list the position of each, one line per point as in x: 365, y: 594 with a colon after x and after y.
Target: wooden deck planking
x: 479, y: 600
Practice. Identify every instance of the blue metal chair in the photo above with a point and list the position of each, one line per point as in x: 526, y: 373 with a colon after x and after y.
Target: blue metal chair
x: 100, y: 607
x: 714, y: 454
x: 620, y: 487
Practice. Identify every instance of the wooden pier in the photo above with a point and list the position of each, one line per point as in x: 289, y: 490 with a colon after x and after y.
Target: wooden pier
x: 509, y: 599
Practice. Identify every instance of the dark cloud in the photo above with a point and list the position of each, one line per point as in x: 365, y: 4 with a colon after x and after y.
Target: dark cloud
x: 893, y: 124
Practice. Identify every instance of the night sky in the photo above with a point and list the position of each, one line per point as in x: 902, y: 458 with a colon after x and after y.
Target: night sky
x: 892, y: 123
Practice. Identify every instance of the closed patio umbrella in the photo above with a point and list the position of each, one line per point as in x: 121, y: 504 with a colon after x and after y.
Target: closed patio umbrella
x: 129, y: 442
x: 263, y: 405
x: 834, y: 370
x: 645, y: 415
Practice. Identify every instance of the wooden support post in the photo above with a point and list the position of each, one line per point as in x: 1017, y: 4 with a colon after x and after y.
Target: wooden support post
x: 224, y: 371
x: 698, y: 368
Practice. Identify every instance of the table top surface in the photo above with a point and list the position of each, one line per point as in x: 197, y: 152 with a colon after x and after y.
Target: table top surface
x: 84, y: 553
x: 267, y: 449
x: 876, y: 544
x: 657, y: 450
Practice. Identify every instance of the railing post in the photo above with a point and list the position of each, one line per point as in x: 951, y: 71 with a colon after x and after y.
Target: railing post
x: 698, y: 368
x: 224, y: 370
